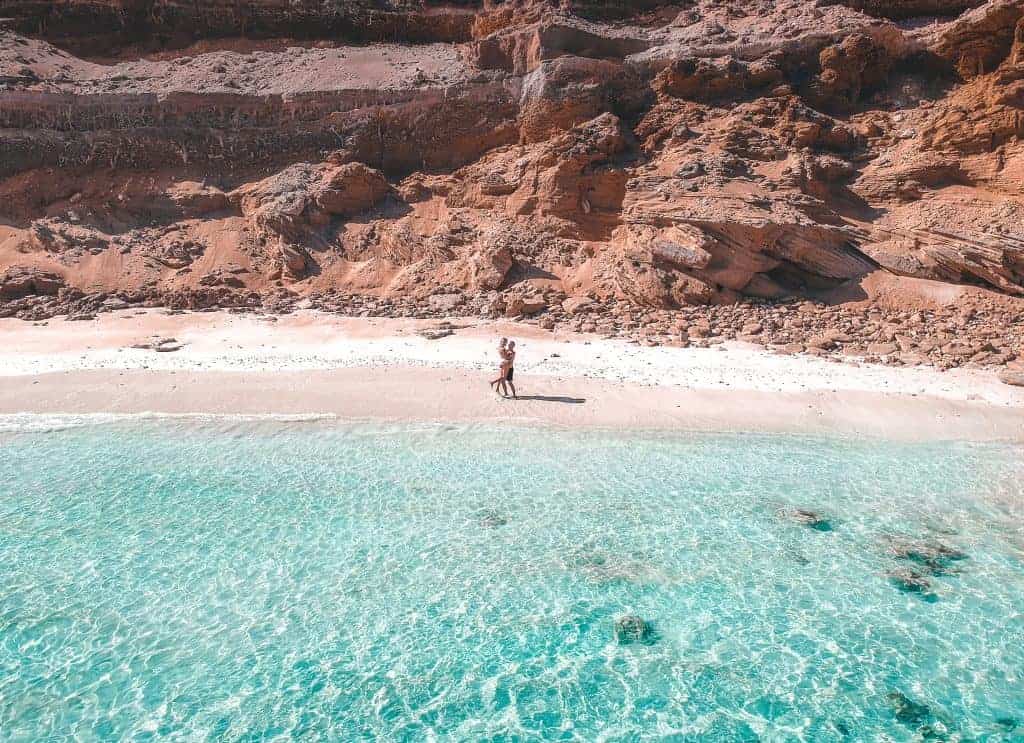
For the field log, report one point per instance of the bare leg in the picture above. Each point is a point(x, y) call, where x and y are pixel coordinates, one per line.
point(503, 387)
point(500, 379)
point(513, 388)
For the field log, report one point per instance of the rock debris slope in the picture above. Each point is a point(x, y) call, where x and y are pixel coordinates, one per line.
point(658, 154)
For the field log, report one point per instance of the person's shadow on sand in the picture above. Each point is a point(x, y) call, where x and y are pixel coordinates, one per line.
point(554, 398)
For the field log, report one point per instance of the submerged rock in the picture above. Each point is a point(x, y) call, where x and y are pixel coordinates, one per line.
point(492, 519)
point(934, 556)
point(603, 567)
point(632, 628)
point(907, 711)
point(798, 558)
point(910, 581)
point(1008, 723)
point(811, 519)
point(922, 551)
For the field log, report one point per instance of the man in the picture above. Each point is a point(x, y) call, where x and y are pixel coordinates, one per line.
point(510, 355)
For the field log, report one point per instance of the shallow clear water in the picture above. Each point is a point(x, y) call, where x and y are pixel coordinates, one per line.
point(199, 581)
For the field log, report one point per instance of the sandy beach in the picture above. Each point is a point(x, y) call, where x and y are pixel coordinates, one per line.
point(315, 364)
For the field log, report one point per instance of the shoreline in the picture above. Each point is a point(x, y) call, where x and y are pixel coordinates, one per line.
point(357, 369)
point(863, 416)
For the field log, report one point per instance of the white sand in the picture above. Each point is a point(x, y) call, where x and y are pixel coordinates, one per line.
point(314, 363)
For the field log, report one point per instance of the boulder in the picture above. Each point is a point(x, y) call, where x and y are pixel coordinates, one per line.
point(516, 306)
point(445, 302)
point(1013, 377)
point(59, 236)
point(197, 199)
point(882, 349)
point(435, 334)
point(851, 68)
point(822, 342)
point(349, 189)
point(977, 41)
point(293, 259)
point(22, 281)
point(576, 305)
point(492, 260)
point(292, 201)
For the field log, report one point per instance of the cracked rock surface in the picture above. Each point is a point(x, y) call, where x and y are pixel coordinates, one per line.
point(653, 155)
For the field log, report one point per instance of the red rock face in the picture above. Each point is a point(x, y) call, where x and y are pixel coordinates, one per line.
point(93, 26)
point(660, 153)
point(911, 8)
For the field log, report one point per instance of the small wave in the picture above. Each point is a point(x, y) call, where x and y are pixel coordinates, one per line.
point(53, 422)
point(48, 422)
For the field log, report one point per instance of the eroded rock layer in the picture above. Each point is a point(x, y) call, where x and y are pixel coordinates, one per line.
point(664, 154)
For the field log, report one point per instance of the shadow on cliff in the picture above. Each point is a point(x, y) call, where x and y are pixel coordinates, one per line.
point(849, 291)
point(521, 271)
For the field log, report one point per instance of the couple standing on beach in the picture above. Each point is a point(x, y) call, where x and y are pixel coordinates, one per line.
point(507, 352)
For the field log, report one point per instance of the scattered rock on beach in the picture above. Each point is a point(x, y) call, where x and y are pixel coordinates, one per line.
point(576, 305)
point(1014, 377)
point(632, 628)
point(445, 302)
point(115, 303)
point(434, 334)
point(161, 345)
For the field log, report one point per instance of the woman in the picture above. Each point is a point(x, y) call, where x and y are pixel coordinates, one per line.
point(506, 362)
point(509, 366)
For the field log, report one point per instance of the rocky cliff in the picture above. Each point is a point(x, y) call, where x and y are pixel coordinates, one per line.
point(661, 154)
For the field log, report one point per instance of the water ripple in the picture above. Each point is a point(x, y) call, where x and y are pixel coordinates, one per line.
point(190, 579)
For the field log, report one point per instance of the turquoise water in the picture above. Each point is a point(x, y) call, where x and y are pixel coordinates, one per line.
point(258, 581)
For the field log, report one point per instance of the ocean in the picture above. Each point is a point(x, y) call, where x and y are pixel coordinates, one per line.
point(243, 580)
